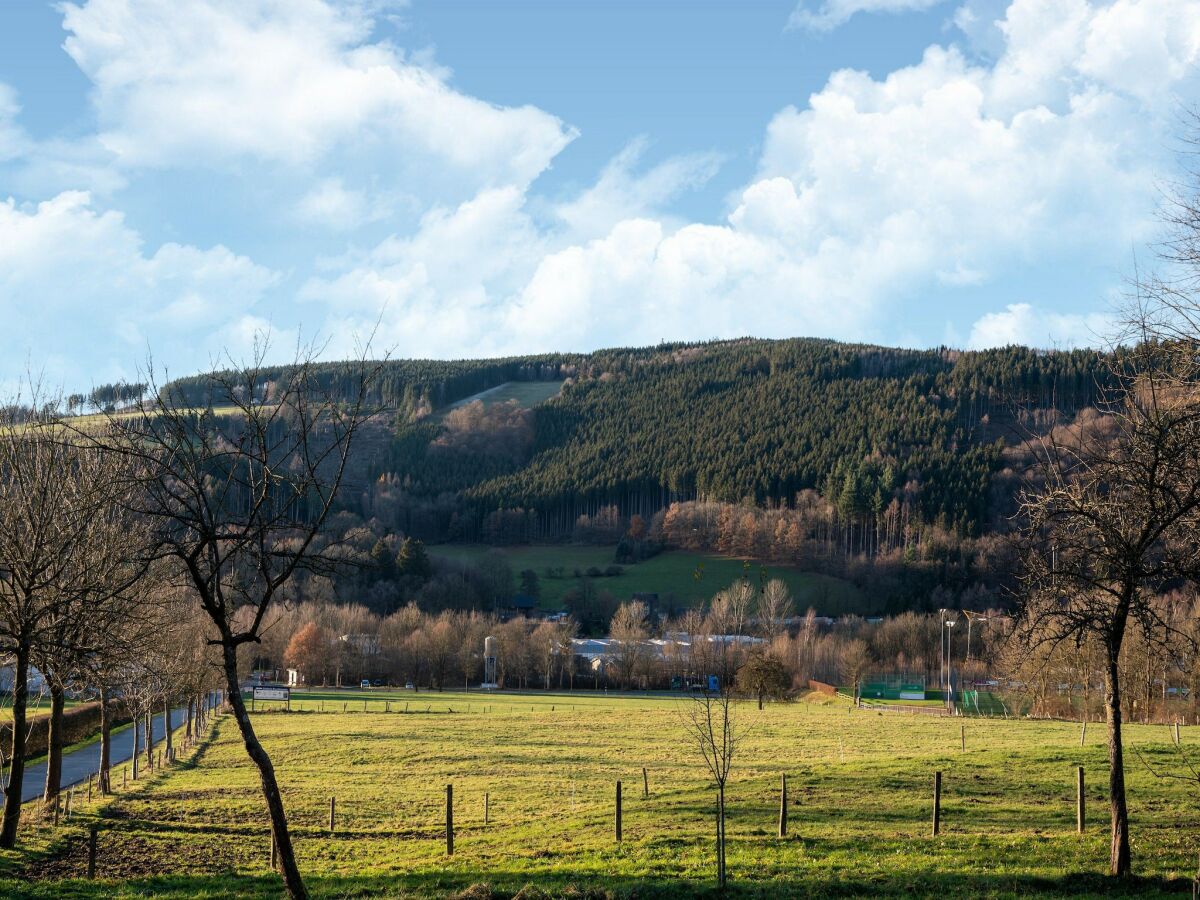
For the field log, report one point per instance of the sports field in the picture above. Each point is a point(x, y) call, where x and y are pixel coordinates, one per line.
point(860, 788)
point(689, 577)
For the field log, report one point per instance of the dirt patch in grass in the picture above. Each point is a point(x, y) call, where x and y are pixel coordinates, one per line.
point(124, 855)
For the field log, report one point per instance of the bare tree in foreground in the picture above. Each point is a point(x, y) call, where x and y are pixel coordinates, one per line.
point(1114, 527)
point(1113, 524)
point(711, 720)
point(712, 724)
point(237, 503)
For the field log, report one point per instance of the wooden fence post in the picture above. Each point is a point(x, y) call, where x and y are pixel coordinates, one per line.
point(1080, 799)
point(449, 820)
point(645, 783)
point(618, 819)
point(485, 808)
point(1083, 733)
point(937, 802)
point(274, 852)
point(962, 736)
point(783, 806)
point(91, 869)
point(89, 788)
point(332, 810)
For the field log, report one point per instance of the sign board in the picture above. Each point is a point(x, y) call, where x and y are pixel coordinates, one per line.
point(272, 693)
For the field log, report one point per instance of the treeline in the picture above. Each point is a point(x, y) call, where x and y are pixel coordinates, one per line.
point(410, 388)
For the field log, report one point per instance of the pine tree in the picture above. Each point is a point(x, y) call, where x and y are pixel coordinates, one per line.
point(412, 560)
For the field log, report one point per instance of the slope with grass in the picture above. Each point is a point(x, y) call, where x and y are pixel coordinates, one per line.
point(690, 578)
point(859, 786)
point(525, 394)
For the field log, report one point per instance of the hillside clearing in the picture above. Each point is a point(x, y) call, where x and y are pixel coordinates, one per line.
point(690, 578)
point(526, 394)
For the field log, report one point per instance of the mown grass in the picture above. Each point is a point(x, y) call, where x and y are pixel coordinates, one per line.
point(689, 577)
point(859, 782)
point(39, 705)
point(527, 394)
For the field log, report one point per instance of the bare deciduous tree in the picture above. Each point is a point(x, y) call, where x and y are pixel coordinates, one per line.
point(711, 722)
point(237, 502)
point(63, 553)
point(1114, 523)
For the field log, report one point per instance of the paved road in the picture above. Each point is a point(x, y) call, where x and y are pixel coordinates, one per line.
point(79, 764)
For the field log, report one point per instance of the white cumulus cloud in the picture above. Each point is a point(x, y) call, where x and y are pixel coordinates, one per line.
point(1021, 323)
point(827, 15)
point(292, 82)
point(75, 277)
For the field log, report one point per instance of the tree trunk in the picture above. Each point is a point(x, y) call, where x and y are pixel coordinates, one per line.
point(54, 746)
point(105, 742)
point(16, 772)
point(170, 744)
point(136, 726)
point(148, 724)
point(1120, 863)
point(188, 730)
point(721, 837)
point(270, 788)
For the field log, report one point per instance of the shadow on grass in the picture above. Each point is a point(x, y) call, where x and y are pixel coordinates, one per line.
point(494, 885)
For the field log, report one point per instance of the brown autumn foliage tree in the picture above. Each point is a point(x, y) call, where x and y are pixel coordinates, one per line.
point(308, 651)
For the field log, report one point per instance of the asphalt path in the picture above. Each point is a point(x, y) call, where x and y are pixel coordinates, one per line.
point(78, 764)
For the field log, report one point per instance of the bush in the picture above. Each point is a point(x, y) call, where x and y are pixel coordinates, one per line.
point(614, 570)
point(594, 572)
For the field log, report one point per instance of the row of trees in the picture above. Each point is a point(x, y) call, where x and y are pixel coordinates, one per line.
point(80, 600)
point(141, 554)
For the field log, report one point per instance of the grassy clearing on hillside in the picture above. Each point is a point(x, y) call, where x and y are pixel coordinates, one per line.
point(673, 572)
point(526, 393)
point(859, 784)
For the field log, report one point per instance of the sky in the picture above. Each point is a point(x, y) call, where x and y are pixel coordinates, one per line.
point(181, 182)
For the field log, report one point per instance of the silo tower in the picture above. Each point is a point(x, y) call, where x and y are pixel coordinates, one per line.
point(489, 662)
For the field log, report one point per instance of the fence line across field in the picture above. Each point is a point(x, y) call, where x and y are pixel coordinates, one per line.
point(481, 805)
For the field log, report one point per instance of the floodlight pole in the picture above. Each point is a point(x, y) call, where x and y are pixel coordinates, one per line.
point(942, 649)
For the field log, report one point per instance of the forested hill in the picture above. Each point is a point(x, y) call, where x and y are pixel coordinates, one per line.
point(874, 432)
point(746, 421)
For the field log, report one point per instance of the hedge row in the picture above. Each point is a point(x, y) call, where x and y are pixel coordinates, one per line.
point(79, 723)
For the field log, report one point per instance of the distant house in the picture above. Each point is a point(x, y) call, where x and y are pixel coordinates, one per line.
point(518, 605)
point(650, 598)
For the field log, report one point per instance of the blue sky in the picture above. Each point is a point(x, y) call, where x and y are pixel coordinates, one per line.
point(480, 178)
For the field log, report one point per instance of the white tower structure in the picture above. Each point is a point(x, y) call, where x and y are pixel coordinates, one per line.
point(489, 663)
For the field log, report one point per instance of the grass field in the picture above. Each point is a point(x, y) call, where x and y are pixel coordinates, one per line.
point(526, 393)
point(673, 572)
point(38, 706)
point(859, 783)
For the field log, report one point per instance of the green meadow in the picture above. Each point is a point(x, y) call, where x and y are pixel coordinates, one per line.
point(690, 577)
point(859, 784)
point(526, 394)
